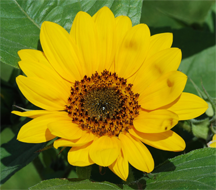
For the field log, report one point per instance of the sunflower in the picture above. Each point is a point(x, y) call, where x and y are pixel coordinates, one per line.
point(105, 89)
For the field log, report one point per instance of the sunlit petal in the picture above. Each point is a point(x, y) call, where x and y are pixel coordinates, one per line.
point(105, 150)
point(136, 153)
point(163, 91)
point(155, 121)
point(79, 156)
point(169, 140)
point(120, 167)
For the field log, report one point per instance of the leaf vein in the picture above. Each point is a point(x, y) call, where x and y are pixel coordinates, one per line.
point(26, 14)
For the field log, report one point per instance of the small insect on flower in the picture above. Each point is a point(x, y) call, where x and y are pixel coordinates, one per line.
point(106, 89)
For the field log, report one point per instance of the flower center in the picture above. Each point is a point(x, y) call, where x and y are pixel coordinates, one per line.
point(103, 104)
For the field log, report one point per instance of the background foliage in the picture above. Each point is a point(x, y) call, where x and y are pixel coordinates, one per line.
point(193, 26)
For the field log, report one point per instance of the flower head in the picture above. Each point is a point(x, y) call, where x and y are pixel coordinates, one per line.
point(105, 89)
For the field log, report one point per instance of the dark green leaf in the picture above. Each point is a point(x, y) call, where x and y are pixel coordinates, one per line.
point(154, 17)
point(190, 41)
point(195, 170)
point(15, 155)
point(7, 99)
point(21, 20)
point(73, 184)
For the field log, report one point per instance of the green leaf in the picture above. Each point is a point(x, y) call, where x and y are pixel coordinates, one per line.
point(195, 170)
point(6, 71)
point(154, 17)
point(201, 69)
point(126, 187)
point(211, 19)
point(21, 20)
point(175, 14)
point(15, 155)
point(73, 184)
point(201, 130)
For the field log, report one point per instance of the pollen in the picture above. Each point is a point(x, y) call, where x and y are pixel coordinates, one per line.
point(103, 104)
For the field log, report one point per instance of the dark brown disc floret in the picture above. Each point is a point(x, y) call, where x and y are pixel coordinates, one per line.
point(103, 104)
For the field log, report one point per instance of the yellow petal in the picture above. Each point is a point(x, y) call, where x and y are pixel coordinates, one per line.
point(160, 63)
point(120, 167)
point(159, 42)
point(163, 91)
point(32, 114)
point(132, 51)
point(168, 140)
point(155, 121)
point(84, 139)
point(105, 150)
point(64, 143)
point(188, 106)
point(36, 130)
point(84, 33)
point(214, 138)
point(136, 153)
point(79, 156)
point(65, 128)
point(33, 55)
point(212, 143)
point(42, 93)
point(42, 70)
point(123, 25)
point(104, 24)
point(60, 50)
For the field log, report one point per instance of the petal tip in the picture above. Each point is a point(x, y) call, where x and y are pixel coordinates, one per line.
point(105, 9)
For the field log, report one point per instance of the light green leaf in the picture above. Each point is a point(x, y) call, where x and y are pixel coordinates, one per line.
point(194, 170)
point(15, 155)
point(21, 20)
point(201, 130)
point(73, 184)
point(201, 69)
